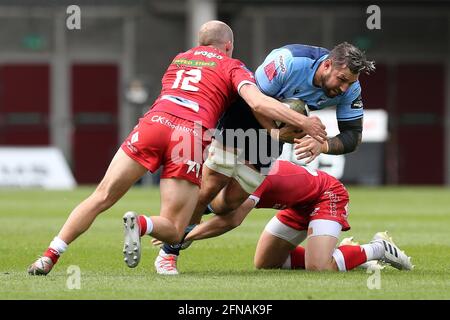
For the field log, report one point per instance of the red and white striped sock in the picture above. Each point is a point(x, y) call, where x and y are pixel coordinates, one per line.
point(296, 259)
point(56, 248)
point(145, 225)
point(52, 254)
point(349, 257)
point(346, 257)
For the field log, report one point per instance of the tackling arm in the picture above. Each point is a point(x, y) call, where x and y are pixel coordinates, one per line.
point(273, 109)
point(267, 124)
point(285, 134)
point(218, 225)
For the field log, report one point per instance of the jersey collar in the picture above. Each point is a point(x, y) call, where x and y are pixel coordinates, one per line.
point(314, 67)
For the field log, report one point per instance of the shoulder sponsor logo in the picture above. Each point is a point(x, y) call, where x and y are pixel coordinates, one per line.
point(282, 66)
point(270, 70)
point(135, 137)
point(357, 103)
point(129, 143)
point(208, 54)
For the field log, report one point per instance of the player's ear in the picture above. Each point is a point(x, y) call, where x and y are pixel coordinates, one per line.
point(327, 64)
point(229, 48)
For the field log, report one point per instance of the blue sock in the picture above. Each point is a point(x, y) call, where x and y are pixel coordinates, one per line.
point(175, 248)
point(208, 210)
point(171, 249)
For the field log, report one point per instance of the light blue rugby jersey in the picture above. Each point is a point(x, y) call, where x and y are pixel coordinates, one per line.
point(288, 72)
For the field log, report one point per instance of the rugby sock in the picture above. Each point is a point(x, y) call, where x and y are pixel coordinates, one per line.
point(374, 251)
point(296, 259)
point(208, 210)
point(346, 257)
point(52, 254)
point(55, 249)
point(175, 248)
point(350, 257)
point(171, 249)
point(145, 225)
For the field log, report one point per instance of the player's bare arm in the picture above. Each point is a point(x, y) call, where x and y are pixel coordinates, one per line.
point(267, 124)
point(219, 225)
point(285, 134)
point(272, 108)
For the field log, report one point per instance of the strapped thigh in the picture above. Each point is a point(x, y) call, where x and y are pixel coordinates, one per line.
point(322, 227)
point(280, 230)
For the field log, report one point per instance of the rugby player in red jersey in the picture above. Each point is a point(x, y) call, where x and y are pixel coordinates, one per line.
point(197, 88)
point(313, 206)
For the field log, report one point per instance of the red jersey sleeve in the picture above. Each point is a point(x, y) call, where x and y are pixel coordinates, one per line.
point(239, 74)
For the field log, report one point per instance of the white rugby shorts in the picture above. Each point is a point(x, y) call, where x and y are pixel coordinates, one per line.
point(228, 164)
point(320, 227)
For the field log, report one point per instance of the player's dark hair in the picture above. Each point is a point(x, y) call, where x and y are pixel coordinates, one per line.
point(346, 54)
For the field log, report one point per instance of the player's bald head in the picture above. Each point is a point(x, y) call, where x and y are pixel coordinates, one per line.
point(214, 33)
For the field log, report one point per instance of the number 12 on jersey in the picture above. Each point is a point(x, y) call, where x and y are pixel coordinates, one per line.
point(186, 77)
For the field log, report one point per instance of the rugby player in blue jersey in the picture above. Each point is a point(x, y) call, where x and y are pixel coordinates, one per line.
point(317, 76)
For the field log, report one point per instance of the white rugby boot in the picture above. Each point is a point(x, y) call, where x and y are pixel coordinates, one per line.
point(41, 267)
point(392, 254)
point(372, 264)
point(132, 239)
point(166, 264)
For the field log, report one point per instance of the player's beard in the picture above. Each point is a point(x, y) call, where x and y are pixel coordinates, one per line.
point(330, 92)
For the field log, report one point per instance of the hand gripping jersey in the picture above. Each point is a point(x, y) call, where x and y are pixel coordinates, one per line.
point(200, 84)
point(288, 72)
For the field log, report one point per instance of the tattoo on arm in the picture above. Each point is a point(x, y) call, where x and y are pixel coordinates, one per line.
point(345, 142)
point(348, 139)
point(335, 146)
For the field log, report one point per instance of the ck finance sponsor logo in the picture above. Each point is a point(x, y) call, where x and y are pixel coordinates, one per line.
point(166, 122)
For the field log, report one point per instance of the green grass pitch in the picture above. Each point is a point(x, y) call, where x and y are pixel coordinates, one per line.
point(220, 268)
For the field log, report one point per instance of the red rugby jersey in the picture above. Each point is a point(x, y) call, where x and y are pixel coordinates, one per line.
point(288, 185)
point(200, 84)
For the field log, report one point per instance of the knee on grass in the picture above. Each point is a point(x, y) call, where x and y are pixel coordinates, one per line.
point(264, 264)
point(320, 265)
